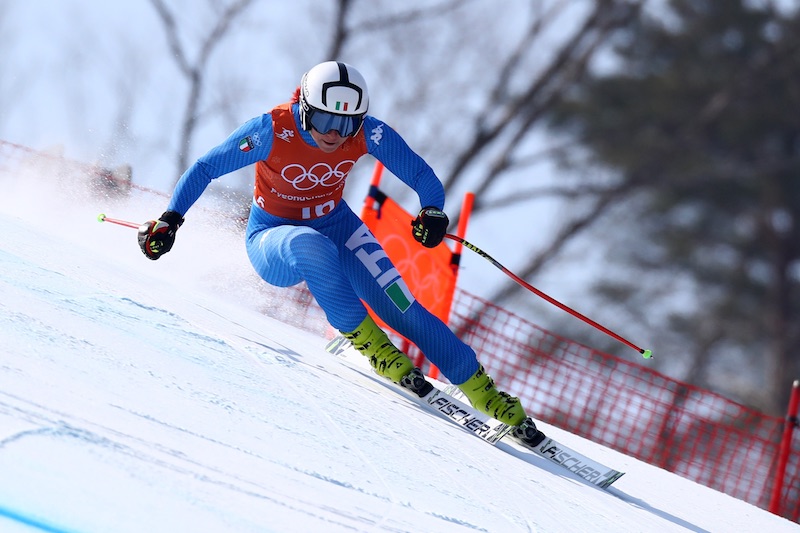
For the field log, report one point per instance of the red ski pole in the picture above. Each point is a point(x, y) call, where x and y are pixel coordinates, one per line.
point(103, 218)
point(647, 354)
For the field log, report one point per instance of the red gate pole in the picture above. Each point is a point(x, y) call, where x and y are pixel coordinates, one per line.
point(466, 211)
point(783, 453)
point(377, 174)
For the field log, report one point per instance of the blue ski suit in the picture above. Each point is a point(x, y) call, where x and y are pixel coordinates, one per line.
point(311, 234)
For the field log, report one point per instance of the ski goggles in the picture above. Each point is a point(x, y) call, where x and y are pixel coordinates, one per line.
point(346, 125)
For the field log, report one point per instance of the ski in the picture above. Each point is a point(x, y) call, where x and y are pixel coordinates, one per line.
point(447, 401)
point(588, 469)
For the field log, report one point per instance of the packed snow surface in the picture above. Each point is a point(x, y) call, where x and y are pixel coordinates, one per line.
point(157, 396)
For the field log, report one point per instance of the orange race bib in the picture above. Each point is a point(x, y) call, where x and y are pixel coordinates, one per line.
point(299, 181)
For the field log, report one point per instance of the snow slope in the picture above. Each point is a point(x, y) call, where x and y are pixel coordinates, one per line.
point(154, 396)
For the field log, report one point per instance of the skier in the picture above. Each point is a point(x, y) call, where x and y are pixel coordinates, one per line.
point(300, 228)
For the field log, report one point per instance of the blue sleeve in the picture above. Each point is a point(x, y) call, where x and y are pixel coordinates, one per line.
point(389, 148)
point(251, 142)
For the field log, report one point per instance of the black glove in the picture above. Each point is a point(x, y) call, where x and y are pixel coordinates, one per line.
point(430, 226)
point(156, 237)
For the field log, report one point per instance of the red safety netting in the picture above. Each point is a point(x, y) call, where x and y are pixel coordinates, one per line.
point(630, 408)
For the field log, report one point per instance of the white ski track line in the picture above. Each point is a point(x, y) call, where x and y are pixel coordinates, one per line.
point(264, 344)
point(313, 403)
point(55, 423)
point(365, 388)
point(372, 382)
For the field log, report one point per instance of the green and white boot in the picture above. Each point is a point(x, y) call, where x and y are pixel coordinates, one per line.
point(485, 397)
point(384, 357)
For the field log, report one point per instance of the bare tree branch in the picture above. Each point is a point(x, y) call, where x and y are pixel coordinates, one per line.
point(562, 238)
point(567, 65)
point(566, 193)
point(340, 30)
point(195, 72)
point(409, 17)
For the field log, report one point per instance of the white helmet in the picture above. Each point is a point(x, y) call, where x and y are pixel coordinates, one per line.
point(333, 96)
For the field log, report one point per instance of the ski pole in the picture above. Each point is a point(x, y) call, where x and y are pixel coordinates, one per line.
point(103, 218)
point(647, 354)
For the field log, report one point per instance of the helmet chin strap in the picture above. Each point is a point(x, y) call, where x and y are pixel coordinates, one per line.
point(304, 113)
point(303, 120)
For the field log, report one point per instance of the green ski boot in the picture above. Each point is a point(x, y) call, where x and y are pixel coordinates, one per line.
point(484, 396)
point(384, 357)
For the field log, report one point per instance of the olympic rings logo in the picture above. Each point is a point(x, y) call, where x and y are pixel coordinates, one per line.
point(321, 174)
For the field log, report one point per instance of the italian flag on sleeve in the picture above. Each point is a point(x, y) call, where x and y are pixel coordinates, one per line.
point(245, 145)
